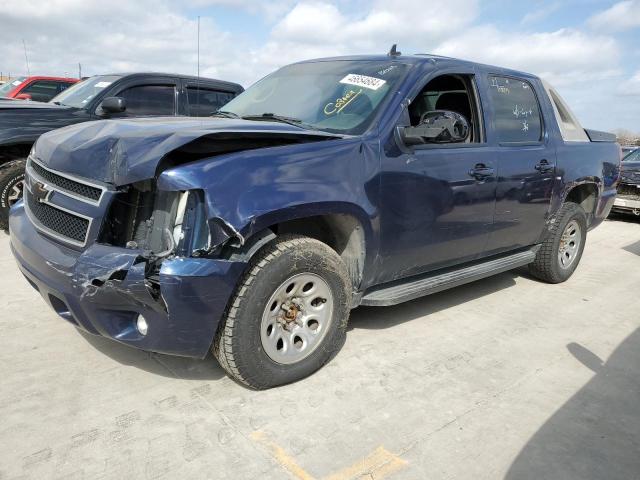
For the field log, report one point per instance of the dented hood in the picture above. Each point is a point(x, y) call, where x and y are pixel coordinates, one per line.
point(120, 152)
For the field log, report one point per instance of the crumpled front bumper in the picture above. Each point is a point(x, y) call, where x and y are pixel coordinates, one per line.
point(628, 198)
point(103, 289)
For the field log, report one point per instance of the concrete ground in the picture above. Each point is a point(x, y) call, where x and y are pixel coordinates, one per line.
point(506, 377)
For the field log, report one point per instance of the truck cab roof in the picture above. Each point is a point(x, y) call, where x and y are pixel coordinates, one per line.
point(424, 59)
point(231, 86)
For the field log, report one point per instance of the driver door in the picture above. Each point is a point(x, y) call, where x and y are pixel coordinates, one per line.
point(437, 200)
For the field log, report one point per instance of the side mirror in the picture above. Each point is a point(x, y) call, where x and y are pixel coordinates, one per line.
point(23, 96)
point(438, 126)
point(113, 105)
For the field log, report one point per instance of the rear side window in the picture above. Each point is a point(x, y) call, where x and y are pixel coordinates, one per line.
point(150, 100)
point(205, 101)
point(570, 127)
point(517, 111)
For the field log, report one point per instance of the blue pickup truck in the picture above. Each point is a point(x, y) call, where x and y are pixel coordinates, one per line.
point(329, 184)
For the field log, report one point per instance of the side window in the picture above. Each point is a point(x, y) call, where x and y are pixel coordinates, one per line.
point(517, 112)
point(204, 101)
point(150, 100)
point(570, 128)
point(62, 86)
point(633, 156)
point(41, 90)
point(448, 92)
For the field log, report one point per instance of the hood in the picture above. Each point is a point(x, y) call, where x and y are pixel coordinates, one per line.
point(15, 104)
point(23, 121)
point(121, 152)
point(630, 172)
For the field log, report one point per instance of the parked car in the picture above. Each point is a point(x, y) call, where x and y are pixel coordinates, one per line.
point(99, 97)
point(628, 199)
point(626, 149)
point(364, 180)
point(39, 89)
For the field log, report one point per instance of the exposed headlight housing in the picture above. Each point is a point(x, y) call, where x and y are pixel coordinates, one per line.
point(163, 222)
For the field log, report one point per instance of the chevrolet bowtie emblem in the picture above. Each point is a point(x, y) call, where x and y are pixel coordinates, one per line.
point(40, 192)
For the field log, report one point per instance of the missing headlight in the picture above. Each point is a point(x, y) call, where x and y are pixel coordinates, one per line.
point(158, 221)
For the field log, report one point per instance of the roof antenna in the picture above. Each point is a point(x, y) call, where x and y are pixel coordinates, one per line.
point(394, 51)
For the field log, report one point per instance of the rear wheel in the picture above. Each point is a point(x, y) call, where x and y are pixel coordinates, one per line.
point(561, 252)
point(11, 187)
point(288, 316)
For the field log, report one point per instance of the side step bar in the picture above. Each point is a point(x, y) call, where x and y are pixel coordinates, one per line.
point(415, 287)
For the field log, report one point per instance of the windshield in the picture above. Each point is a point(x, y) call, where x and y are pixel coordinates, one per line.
point(10, 85)
point(337, 96)
point(81, 93)
point(632, 156)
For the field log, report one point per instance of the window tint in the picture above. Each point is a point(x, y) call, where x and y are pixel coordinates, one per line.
point(203, 101)
point(150, 100)
point(517, 112)
point(41, 90)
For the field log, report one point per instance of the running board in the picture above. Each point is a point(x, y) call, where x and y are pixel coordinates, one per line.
point(413, 287)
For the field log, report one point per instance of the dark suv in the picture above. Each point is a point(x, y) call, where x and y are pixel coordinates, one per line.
point(329, 184)
point(98, 98)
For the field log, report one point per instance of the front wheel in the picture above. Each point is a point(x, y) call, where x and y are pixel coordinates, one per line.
point(11, 187)
point(561, 252)
point(288, 316)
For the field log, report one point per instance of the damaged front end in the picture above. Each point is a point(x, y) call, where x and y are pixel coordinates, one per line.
point(157, 225)
point(114, 237)
point(148, 260)
point(628, 197)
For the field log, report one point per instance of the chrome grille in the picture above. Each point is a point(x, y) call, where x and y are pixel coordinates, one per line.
point(92, 193)
point(56, 221)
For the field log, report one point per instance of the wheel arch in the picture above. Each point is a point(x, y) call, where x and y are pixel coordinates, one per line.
point(584, 194)
point(344, 227)
point(14, 151)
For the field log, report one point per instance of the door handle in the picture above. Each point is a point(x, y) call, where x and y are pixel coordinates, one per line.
point(481, 171)
point(544, 166)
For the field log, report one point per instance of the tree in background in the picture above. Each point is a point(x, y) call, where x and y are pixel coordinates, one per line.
point(626, 137)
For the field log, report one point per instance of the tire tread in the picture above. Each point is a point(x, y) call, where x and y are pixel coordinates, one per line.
point(543, 267)
point(223, 345)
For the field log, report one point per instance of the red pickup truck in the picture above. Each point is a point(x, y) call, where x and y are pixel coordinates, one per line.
point(40, 89)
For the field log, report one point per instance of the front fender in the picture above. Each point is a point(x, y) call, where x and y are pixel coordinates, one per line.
point(253, 190)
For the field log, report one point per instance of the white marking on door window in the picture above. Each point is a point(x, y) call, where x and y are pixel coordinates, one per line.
point(102, 84)
point(371, 83)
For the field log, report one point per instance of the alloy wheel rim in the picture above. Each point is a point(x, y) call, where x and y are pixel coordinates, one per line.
point(296, 318)
point(569, 244)
point(15, 193)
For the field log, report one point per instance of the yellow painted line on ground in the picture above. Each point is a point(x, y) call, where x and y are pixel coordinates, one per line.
point(377, 465)
point(281, 456)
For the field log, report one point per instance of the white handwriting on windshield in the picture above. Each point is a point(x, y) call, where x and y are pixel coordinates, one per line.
point(340, 103)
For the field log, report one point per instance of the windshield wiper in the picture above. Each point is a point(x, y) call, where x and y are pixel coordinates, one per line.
point(272, 117)
point(223, 113)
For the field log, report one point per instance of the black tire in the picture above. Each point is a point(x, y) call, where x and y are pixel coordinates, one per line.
point(238, 345)
point(11, 175)
point(547, 264)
